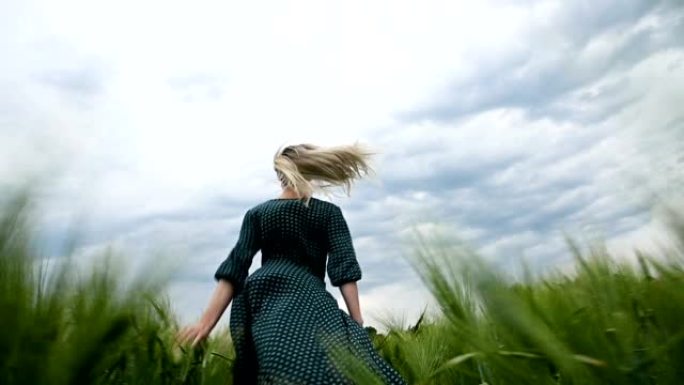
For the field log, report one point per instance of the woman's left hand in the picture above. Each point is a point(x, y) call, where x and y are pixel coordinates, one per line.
point(194, 333)
point(201, 329)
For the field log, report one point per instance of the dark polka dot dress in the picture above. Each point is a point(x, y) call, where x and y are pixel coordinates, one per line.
point(283, 321)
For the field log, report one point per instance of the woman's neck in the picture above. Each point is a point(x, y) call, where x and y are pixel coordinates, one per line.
point(288, 193)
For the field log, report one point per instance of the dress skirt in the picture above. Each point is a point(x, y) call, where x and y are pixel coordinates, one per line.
point(283, 325)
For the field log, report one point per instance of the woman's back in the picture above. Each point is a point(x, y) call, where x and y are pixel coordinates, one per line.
point(313, 236)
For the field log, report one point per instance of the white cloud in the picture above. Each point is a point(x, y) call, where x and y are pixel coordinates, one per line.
point(508, 121)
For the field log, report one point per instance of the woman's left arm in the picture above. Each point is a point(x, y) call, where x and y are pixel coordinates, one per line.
point(218, 303)
point(230, 277)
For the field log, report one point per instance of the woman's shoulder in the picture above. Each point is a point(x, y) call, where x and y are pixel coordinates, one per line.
point(313, 202)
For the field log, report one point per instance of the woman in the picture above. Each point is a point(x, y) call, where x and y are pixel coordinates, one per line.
point(284, 324)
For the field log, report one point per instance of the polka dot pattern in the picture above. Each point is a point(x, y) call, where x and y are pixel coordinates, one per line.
point(283, 320)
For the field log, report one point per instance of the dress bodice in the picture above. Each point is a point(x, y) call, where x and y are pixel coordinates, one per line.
point(315, 236)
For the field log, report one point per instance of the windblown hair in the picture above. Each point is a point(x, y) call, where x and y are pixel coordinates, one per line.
point(307, 167)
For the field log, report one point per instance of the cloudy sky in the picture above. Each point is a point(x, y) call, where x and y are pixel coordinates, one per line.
point(507, 122)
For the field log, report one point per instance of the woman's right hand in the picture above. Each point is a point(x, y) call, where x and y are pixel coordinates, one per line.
point(350, 293)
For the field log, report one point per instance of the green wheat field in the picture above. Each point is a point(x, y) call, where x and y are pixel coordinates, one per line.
point(608, 322)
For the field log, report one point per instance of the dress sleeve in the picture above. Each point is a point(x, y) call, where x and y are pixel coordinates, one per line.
point(342, 264)
point(236, 266)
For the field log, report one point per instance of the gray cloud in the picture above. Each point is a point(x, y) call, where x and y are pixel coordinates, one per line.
point(549, 68)
point(82, 82)
point(575, 174)
point(533, 145)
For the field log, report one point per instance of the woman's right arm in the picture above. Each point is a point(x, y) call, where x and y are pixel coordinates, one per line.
point(350, 293)
point(343, 268)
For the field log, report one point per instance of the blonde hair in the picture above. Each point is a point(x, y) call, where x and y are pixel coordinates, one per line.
point(307, 167)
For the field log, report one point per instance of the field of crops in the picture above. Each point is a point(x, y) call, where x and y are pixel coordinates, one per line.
point(608, 323)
